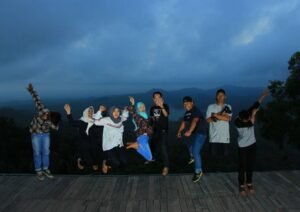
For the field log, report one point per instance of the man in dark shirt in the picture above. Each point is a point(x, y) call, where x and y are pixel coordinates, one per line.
point(159, 114)
point(195, 131)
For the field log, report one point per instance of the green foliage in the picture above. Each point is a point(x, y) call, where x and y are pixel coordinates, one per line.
point(281, 118)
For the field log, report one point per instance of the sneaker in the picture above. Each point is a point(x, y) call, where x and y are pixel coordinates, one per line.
point(191, 161)
point(40, 176)
point(47, 173)
point(197, 177)
point(242, 190)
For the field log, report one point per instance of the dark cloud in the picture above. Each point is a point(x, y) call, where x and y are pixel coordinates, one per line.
point(123, 45)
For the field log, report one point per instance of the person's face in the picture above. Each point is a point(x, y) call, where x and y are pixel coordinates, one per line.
point(45, 116)
point(221, 97)
point(91, 112)
point(143, 108)
point(157, 99)
point(188, 105)
point(116, 113)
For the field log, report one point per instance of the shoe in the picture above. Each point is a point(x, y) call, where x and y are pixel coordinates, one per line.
point(197, 177)
point(40, 176)
point(191, 161)
point(165, 171)
point(47, 173)
point(242, 190)
point(250, 189)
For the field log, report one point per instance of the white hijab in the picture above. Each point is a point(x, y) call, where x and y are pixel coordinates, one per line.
point(85, 118)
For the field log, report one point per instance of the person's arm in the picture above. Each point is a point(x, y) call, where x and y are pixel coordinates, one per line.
point(255, 107)
point(164, 107)
point(38, 104)
point(181, 128)
point(72, 122)
point(192, 127)
point(125, 114)
point(222, 117)
point(99, 121)
point(209, 118)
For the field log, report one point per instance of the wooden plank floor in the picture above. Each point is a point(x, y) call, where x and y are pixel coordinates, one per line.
point(275, 191)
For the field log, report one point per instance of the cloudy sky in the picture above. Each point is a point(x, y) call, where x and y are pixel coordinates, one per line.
point(87, 48)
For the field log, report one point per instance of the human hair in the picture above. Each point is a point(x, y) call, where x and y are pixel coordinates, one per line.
point(157, 92)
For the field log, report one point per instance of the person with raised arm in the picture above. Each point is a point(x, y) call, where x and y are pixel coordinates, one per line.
point(247, 145)
point(113, 129)
point(88, 147)
point(40, 127)
point(143, 129)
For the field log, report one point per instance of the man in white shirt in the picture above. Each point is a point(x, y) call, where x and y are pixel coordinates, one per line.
point(218, 116)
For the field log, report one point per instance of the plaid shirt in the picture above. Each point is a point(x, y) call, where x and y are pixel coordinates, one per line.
point(38, 125)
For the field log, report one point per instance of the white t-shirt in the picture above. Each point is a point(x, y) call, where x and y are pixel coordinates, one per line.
point(112, 132)
point(219, 130)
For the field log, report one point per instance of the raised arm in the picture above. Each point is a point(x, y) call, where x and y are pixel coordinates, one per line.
point(38, 104)
point(255, 107)
point(72, 122)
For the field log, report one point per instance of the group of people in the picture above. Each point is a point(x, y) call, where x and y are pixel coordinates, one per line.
point(101, 135)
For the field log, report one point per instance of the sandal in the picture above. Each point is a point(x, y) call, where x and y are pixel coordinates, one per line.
point(242, 190)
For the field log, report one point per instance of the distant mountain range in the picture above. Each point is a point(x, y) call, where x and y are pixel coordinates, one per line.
point(237, 97)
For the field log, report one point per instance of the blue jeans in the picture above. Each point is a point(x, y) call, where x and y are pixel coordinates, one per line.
point(197, 144)
point(144, 148)
point(40, 145)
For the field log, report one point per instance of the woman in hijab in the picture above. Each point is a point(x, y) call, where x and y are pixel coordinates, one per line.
point(88, 145)
point(113, 135)
point(142, 128)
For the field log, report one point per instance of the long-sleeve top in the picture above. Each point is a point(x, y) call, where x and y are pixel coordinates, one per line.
point(112, 132)
point(39, 125)
point(143, 125)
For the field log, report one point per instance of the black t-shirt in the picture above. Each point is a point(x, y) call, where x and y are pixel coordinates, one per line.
point(159, 121)
point(201, 127)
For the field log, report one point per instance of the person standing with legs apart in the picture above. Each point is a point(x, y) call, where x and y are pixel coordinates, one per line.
point(218, 116)
point(194, 127)
point(40, 135)
point(247, 145)
point(159, 114)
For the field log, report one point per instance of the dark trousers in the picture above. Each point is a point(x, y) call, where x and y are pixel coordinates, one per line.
point(89, 151)
point(219, 149)
point(246, 157)
point(117, 157)
point(159, 146)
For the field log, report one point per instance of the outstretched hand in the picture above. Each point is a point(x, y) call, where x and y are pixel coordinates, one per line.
point(30, 87)
point(102, 108)
point(67, 108)
point(132, 100)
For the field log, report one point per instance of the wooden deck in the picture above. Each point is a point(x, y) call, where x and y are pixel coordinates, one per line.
point(276, 191)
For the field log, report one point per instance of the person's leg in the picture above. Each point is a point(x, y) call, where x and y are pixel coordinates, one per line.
point(198, 141)
point(80, 146)
point(95, 153)
point(45, 150)
point(37, 156)
point(113, 159)
point(250, 164)
point(143, 147)
point(46, 155)
point(122, 155)
point(241, 169)
point(164, 149)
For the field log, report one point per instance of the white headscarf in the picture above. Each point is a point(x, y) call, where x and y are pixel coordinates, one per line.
point(85, 118)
